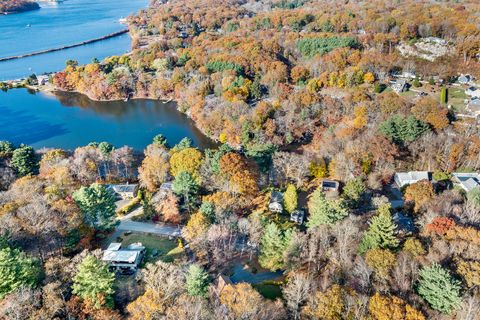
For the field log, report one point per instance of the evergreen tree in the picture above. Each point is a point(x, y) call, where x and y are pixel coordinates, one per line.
point(324, 211)
point(290, 198)
point(97, 204)
point(16, 270)
point(6, 149)
point(272, 246)
point(353, 191)
point(24, 160)
point(381, 232)
point(208, 210)
point(160, 140)
point(185, 185)
point(183, 144)
point(197, 281)
point(94, 283)
point(256, 88)
point(444, 95)
point(440, 290)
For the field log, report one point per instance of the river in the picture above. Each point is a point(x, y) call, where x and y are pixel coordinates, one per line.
point(69, 120)
point(58, 24)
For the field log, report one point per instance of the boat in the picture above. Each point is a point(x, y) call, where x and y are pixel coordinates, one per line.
point(28, 25)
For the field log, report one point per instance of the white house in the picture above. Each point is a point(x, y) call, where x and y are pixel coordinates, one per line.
point(124, 260)
point(473, 107)
point(406, 178)
point(297, 216)
point(467, 181)
point(276, 202)
point(400, 86)
point(473, 92)
point(464, 79)
point(124, 191)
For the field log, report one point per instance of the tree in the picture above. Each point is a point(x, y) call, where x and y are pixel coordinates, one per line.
point(393, 308)
point(168, 207)
point(273, 244)
point(296, 292)
point(155, 167)
point(185, 143)
point(197, 281)
point(94, 283)
point(419, 193)
point(290, 198)
point(438, 287)
point(444, 95)
point(97, 204)
point(16, 270)
point(470, 272)
point(353, 191)
point(324, 211)
point(381, 231)
point(24, 160)
point(244, 302)
point(188, 159)
point(6, 149)
point(160, 139)
point(428, 110)
point(196, 227)
point(185, 185)
point(381, 261)
point(326, 305)
point(401, 130)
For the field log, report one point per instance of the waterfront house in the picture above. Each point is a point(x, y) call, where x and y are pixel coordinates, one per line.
point(405, 178)
point(276, 202)
point(124, 191)
point(125, 261)
point(466, 181)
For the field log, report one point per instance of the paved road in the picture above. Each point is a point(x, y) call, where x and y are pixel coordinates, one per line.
point(154, 228)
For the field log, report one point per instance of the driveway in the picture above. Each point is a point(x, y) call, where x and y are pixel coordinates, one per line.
point(153, 228)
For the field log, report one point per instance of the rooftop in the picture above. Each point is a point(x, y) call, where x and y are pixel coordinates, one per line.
point(119, 188)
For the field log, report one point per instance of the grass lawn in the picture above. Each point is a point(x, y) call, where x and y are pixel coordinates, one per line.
point(166, 250)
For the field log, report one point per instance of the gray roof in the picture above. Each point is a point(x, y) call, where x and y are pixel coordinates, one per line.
point(467, 181)
point(120, 188)
point(276, 197)
point(403, 178)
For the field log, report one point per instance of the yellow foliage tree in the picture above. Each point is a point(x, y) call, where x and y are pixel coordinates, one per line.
point(196, 226)
point(392, 308)
point(188, 160)
point(326, 305)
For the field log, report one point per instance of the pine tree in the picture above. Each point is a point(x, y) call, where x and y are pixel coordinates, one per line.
point(16, 270)
point(353, 191)
point(273, 244)
point(185, 185)
point(290, 198)
point(24, 160)
point(197, 281)
point(160, 140)
point(381, 232)
point(94, 283)
point(440, 290)
point(97, 204)
point(324, 211)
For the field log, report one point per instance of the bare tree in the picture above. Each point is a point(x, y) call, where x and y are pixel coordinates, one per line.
point(296, 292)
point(470, 309)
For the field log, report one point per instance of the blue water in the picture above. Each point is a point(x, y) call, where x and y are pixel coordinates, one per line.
point(71, 120)
point(59, 24)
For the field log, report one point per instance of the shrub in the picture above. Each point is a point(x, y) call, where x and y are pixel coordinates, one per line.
point(313, 46)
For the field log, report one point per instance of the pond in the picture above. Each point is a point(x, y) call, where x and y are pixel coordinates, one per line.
point(262, 280)
point(69, 120)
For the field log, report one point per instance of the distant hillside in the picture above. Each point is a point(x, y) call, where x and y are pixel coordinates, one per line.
point(10, 6)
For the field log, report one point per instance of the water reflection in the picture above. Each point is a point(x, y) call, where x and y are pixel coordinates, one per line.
point(69, 120)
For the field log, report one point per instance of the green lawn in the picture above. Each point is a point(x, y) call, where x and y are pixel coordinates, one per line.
point(167, 250)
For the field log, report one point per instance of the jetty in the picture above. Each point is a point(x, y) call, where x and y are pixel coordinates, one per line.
point(78, 44)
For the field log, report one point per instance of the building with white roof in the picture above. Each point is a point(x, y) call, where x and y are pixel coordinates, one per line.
point(406, 178)
point(467, 181)
point(123, 260)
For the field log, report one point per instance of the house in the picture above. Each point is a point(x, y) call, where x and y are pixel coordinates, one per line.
point(276, 202)
point(400, 85)
point(405, 178)
point(466, 181)
point(124, 191)
point(464, 79)
point(473, 107)
point(222, 282)
point(330, 185)
point(42, 79)
point(125, 261)
point(297, 216)
point(473, 92)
